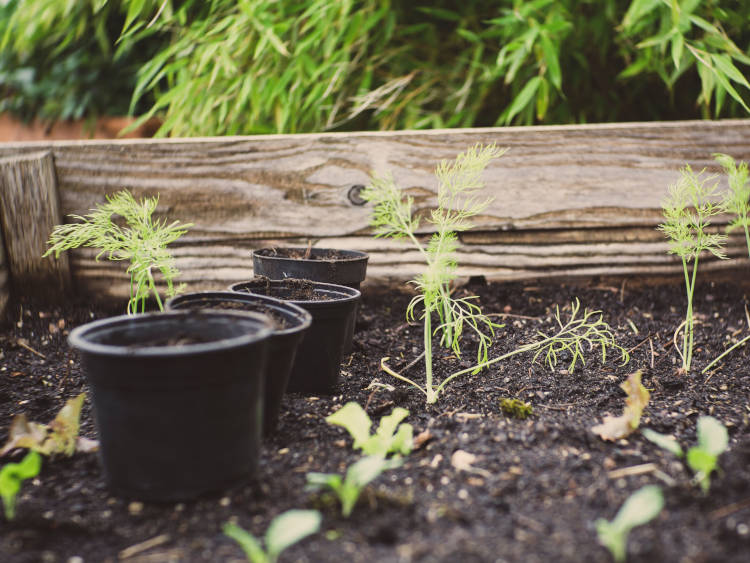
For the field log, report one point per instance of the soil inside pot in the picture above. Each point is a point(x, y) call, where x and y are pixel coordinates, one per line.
point(292, 290)
point(329, 255)
point(531, 492)
point(278, 321)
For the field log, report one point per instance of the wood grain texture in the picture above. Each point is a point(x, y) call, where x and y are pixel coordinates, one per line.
point(29, 209)
point(568, 200)
point(4, 282)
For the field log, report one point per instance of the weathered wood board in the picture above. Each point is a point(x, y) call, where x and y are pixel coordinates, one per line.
point(29, 209)
point(568, 200)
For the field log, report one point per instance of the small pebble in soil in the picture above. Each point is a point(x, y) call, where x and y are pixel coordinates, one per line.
point(135, 508)
point(75, 559)
point(225, 501)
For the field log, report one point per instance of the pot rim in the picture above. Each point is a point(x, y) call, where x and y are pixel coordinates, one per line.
point(80, 337)
point(305, 318)
point(353, 255)
point(341, 293)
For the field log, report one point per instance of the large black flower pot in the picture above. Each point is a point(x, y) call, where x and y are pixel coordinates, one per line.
point(333, 307)
point(327, 265)
point(290, 324)
point(178, 399)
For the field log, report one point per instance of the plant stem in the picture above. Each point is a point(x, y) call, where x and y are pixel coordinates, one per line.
point(727, 351)
point(397, 375)
point(687, 341)
point(747, 238)
point(429, 391)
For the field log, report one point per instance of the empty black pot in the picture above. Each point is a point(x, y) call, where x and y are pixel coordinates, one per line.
point(327, 265)
point(178, 399)
point(290, 323)
point(318, 362)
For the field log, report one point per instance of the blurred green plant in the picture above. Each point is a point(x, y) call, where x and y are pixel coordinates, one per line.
point(638, 509)
point(59, 61)
point(284, 531)
point(12, 475)
point(703, 458)
point(267, 66)
point(286, 66)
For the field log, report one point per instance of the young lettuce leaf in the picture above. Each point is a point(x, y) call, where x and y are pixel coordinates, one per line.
point(11, 477)
point(640, 508)
point(391, 436)
point(284, 531)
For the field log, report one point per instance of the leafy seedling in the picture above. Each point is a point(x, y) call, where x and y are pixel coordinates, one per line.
point(579, 332)
point(702, 458)
point(284, 531)
point(358, 475)
point(687, 216)
point(391, 436)
point(615, 427)
point(458, 201)
point(459, 182)
point(516, 408)
point(58, 437)
point(736, 202)
point(143, 241)
point(12, 475)
point(640, 508)
point(737, 198)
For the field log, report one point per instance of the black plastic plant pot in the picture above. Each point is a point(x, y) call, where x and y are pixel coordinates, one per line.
point(178, 399)
point(290, 324)
point(333, 307)
point(327, 265)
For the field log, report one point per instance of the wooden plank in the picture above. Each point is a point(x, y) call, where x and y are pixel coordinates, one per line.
point(29, 209)
point(568, 200)
point(4, 282)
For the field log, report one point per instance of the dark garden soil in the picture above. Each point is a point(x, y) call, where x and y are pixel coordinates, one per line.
point(531, 494)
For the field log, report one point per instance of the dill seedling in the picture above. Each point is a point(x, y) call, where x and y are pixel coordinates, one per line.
point(459, 182)
point(687, 215)
point(737, 198)
point(142, 240)
point(736, 202)
point(458, 200)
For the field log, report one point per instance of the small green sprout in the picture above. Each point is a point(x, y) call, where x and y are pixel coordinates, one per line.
point(285, 530)
point(640, 508)
point(143, 241)
point(702, 458)
point(516, 408)
point(11, 477)
point(391, 437)
point(358, 476)
point(687, 216)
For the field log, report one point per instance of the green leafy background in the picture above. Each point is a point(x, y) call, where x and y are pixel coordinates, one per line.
point(217, 67)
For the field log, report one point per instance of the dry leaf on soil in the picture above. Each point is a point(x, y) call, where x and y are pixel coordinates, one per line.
point(615, 427)
point(58, 437)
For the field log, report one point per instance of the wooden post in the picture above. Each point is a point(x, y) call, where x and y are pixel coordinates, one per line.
point(4, 282)
point(29, 210)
